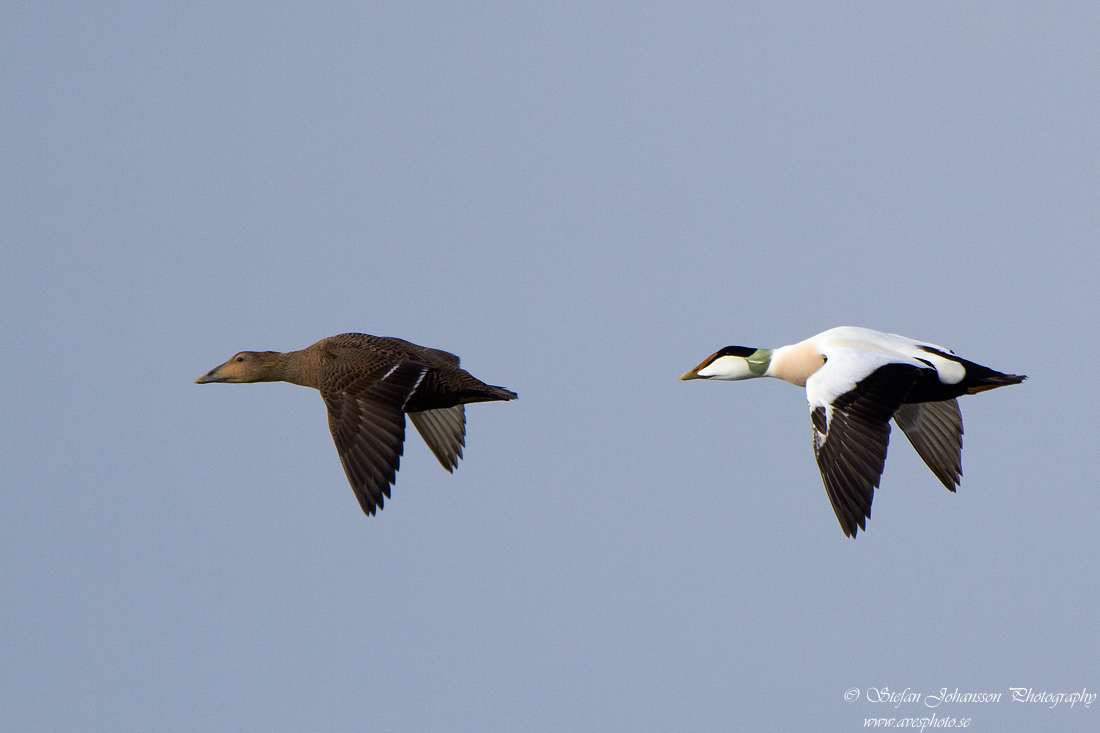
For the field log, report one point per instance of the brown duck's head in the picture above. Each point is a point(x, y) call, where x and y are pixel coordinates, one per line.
point(247, 366)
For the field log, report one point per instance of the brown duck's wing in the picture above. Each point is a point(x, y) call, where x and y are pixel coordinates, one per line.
point(393, 348)
point(365, 401)
point(444, 431)
point(935, 429)
point(440, 356)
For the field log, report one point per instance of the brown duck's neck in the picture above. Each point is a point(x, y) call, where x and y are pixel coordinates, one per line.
point(296, 367)
point(290, 367)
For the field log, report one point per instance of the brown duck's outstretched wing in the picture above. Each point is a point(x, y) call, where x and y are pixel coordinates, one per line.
point(367, 422)
point(444, 431)
point(935, 429)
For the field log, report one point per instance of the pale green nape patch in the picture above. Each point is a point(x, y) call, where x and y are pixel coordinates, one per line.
point(759, 361)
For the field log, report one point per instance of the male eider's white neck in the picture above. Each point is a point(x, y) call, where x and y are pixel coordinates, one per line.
point(795, 363)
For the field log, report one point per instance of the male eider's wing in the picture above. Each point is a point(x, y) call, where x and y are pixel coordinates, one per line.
point(935, 429)
point(365, 400)
point(852, 398)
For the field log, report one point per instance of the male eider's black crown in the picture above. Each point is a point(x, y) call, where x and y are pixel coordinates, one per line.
point(736, 351)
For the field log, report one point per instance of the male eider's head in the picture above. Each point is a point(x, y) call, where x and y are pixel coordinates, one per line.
point(732, 363)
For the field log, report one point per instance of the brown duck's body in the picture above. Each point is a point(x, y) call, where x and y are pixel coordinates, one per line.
point(369, 384)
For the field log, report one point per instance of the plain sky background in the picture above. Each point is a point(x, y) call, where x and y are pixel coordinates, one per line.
point(583, 201)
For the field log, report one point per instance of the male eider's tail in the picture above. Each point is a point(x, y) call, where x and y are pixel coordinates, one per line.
point(979, 378)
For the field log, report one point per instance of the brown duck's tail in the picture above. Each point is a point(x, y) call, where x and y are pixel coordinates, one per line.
point(486, 393)
point(499, 393)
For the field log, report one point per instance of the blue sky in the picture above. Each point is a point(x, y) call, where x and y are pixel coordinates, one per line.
point(583, 202)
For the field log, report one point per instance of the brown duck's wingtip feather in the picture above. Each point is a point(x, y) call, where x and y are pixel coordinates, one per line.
point(852, 529)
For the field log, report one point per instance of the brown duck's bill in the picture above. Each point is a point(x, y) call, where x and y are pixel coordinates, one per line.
point(211, 377)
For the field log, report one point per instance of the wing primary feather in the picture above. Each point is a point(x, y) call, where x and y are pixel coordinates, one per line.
point(935, 430)
point(852, 438)
point(444, 431)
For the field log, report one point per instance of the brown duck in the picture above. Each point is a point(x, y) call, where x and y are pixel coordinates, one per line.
point(369, 384)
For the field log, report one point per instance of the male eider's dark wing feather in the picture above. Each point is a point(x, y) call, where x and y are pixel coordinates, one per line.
point(935, 429)
point(852, 431)
point(444, 430)
point(365, 416)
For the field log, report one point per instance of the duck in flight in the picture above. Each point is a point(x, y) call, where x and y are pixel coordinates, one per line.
point(856, 380)
point(369, 384)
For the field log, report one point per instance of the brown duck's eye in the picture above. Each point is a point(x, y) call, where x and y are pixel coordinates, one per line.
point(240, 358)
